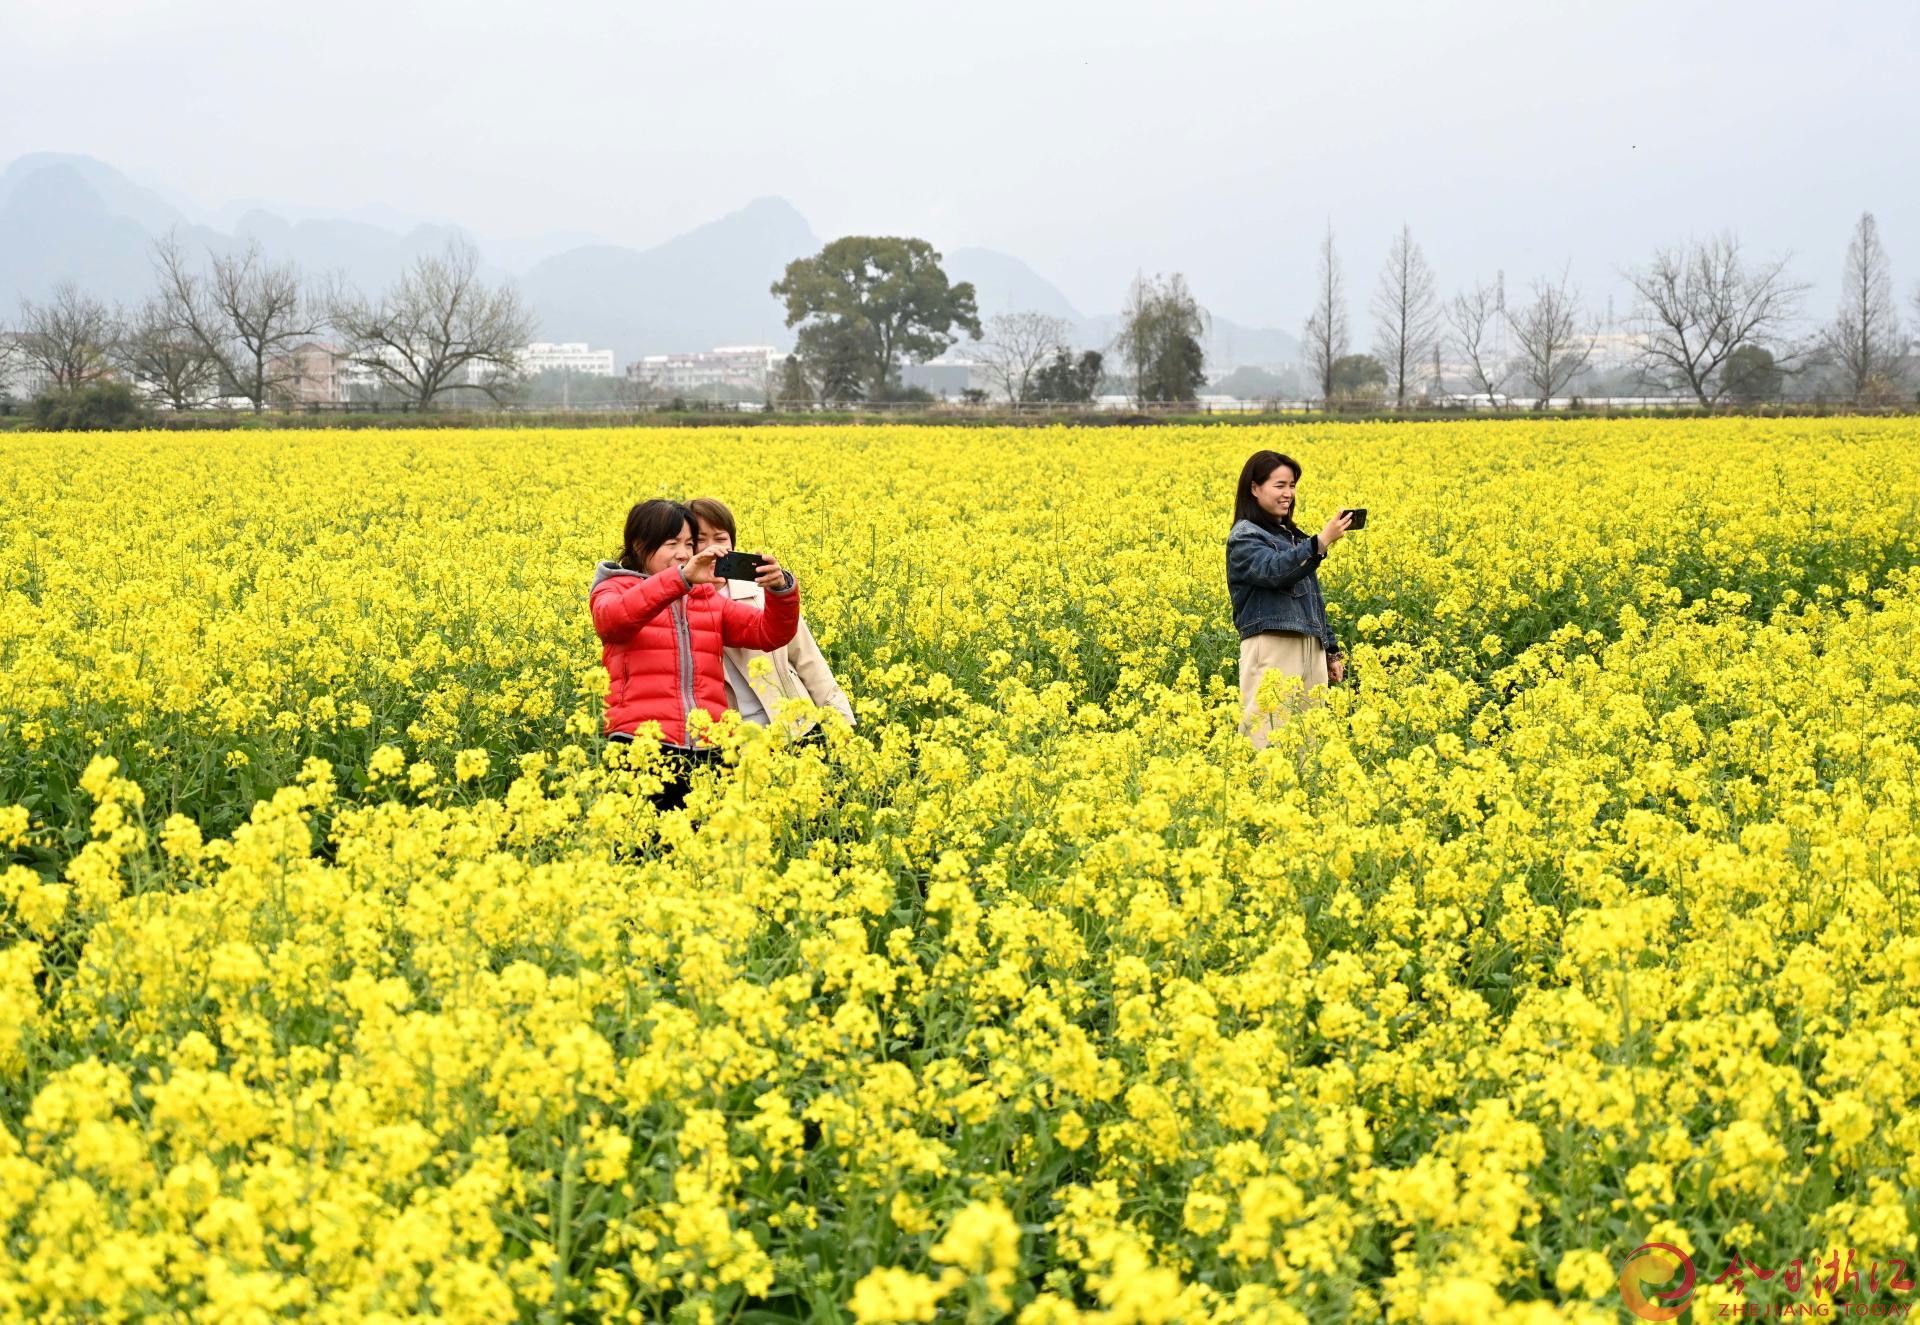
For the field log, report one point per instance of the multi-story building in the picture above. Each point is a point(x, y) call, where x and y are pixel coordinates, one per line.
point(20, 379)
point(311, 373)
point(947, 377)
point(1614, 350)
point(569, 356)
point(749, 367)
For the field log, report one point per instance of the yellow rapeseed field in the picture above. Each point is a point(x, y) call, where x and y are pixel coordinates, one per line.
point(347, 977)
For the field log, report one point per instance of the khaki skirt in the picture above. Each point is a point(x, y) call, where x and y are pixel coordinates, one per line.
point(1300, 656)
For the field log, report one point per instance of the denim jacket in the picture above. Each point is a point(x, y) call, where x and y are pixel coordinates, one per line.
point(1271, 580)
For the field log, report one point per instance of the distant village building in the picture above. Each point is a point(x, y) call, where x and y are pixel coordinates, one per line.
point(947, 377)
point(749, 367)
point(568, 356)
point(1617, 350)
point(316, 372)
point(311, 373)
point(20, 379)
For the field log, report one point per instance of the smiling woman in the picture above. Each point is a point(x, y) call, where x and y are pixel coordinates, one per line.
point(663, 626)
point(1274, 586)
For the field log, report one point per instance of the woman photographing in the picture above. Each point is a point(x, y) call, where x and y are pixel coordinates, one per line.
point(1271, 579)
point(759, 682)
point(663, 626)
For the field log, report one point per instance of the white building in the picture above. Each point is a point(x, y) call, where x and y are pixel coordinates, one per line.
point(19, 379)
point(568, 356)
point(748, 366)
point(1615, 350)
point(359, 382)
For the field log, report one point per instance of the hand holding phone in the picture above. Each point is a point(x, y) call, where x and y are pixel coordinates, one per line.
point(1359, 514)
point(740, 566)
point(700, 570)
point(771, 575)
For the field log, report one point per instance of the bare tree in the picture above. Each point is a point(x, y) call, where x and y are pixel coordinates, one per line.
point(1406, 314)
point(244, 312)
point(1697, 304)
point(1015, 346)
point(1472, 315)
point(1916, 318)
point(1555, 342)
point(69, 339)
point(435, 327)
point(1326, 335)
point(159, 354)
point(1864, 338)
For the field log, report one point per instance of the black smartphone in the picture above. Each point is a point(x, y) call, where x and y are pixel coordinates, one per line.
point(738, 565)
point(1359, 514)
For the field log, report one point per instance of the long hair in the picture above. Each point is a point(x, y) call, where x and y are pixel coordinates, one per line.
point(1258, 469)
point(650, 524)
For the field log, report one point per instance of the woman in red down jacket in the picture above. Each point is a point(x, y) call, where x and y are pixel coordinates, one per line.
point(663, 625)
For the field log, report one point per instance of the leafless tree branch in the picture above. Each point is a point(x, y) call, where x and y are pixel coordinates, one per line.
point(1326, 333)
point(243, 311)
point(1472, 315)
point(1015, 346)
point(1555, 342)
point(70, 338)
point(1865, 338)
point(166, 359)
point(1406, 314)
point(1697, 304)
point(427, 334)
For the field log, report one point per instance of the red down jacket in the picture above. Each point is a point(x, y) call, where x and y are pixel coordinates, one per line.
point(662, 639)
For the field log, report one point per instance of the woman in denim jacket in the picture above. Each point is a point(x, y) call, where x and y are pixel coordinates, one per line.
point(1277, 607)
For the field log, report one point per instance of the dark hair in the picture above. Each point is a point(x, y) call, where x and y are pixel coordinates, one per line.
point(1258, 469)
point(711, 514)
point(650, 524)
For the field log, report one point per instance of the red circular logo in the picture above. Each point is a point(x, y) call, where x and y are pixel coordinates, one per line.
point(1656, 1263)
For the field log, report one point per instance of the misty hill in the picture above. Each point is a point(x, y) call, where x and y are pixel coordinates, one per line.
point(118, 195)
point(704, 288)
point(55, 225)
point(1004, 284)
point(73, 218)
point(69, 217)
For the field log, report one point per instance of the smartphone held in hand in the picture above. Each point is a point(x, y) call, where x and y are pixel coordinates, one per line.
point(738, 565)
point(1359, 514)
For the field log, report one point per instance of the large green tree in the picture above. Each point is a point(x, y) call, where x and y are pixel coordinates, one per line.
point(1359, 375)
point(1159, 340)
point(1751, 374)
point(1066, 378)
point(887, 294)
point(833, 354)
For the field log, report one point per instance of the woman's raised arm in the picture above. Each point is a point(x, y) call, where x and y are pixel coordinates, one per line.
point(623, 603)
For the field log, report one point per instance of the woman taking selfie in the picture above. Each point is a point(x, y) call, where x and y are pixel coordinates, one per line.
point(663, 623)
point(1277, 607)
point(797, 671)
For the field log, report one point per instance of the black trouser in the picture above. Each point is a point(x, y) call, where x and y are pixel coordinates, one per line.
point(676, 771)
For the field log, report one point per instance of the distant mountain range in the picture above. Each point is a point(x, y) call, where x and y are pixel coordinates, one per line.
point(69, 217)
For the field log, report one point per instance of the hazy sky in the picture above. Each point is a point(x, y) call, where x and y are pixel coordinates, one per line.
point(1089, 139)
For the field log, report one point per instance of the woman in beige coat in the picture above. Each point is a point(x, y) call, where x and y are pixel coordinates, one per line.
point(757, 682)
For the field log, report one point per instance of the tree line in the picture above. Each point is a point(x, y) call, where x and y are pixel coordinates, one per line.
point(1708, 321)
point(225, 324)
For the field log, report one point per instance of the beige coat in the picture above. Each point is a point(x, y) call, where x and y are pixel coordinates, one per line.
point(798, 671)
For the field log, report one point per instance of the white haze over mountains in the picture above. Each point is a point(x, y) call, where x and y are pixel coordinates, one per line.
point(1089, 142)
point(65, 217)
